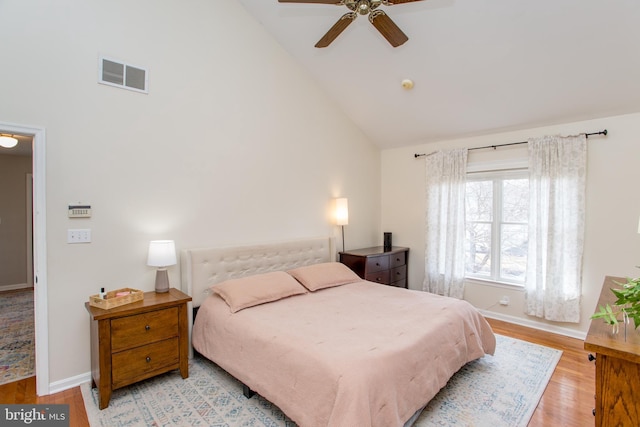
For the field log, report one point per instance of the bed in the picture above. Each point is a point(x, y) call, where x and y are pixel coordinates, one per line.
point(326, 347)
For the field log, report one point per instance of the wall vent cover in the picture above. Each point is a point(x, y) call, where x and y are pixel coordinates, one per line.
point(116, 73)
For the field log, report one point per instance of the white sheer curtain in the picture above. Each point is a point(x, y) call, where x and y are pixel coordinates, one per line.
point(445, 222)
point(557, 182)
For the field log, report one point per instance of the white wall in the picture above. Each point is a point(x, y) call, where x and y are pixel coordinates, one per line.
point(612, 245)
point(14, 170)
point(234, 144)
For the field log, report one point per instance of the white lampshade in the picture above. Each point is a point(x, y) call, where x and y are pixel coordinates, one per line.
point(162, 253)
point(7, 141)
point(342, 211)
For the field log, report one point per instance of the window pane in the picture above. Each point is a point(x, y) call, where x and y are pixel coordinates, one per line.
point(479, 198)
point(478, 249)
point(513, 252)
point(515, 200)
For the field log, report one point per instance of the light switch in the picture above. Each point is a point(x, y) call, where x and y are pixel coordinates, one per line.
point(77, 235)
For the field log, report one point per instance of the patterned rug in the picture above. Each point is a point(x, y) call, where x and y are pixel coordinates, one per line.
point(17, 343)
point(502, 390)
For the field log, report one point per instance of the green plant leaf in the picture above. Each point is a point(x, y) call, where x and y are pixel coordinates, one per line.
point(627, 303)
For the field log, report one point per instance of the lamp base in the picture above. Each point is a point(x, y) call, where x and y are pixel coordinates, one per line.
point(162, 280)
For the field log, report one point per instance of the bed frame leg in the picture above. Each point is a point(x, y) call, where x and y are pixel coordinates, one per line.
point(248, 393)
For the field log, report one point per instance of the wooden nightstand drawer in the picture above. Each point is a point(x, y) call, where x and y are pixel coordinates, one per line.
point(133, 331)
point(379, 277)
point(377, 263)
point(142, 362)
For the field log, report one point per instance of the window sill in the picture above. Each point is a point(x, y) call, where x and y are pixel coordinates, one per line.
point(493, 283)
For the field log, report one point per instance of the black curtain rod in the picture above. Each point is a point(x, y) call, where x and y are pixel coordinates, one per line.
point(602, 132)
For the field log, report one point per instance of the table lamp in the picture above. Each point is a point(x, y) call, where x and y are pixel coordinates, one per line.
point(162, 254)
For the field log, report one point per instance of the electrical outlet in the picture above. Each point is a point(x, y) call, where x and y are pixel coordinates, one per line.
point(504, 300)
point(82, 235)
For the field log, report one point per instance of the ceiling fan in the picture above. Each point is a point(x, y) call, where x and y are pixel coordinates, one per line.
point(377, 17)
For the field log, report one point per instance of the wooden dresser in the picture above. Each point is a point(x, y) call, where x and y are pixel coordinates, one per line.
point(137, 341)
point(377, 265)
point(617, 367)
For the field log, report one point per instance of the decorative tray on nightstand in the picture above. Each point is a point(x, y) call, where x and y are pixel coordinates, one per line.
point(116, 298)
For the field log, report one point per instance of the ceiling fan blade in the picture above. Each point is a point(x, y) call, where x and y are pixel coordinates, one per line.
point(387, 28)
point(337, 28)
point(392, 2)
point(312, 1)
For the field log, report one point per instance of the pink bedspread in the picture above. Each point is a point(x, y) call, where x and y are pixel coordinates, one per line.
point(361, 354)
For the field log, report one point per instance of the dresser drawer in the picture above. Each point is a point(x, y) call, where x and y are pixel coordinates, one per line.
point(134, 331)
point(396, 260)
point(379, 277)
point(398, 273)
point(377, 263)
point(142, 362)
point(400, 283)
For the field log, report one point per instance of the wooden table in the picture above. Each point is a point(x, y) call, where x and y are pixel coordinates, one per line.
point(617, 366)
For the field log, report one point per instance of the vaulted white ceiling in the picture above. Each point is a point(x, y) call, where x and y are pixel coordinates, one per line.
point(478, 66)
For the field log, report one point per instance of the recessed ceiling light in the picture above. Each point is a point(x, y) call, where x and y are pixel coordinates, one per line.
point(407, 84)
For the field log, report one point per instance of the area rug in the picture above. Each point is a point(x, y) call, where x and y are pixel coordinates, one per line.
point(17, 338)
point(496, 391)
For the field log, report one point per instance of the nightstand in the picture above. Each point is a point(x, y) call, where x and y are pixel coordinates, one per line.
point(137, 341)
point(377, 265)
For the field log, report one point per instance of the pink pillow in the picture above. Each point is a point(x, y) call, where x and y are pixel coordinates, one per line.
point(325, 275)
point(258, 289)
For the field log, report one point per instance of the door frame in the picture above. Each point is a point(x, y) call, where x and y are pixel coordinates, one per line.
point(29, 191)
point(39, 251)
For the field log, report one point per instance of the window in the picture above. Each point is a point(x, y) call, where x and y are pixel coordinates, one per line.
point(496, 236)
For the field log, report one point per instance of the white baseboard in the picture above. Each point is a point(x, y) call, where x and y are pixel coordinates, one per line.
point(14, 287)
point(535, 325)
point(67, 383)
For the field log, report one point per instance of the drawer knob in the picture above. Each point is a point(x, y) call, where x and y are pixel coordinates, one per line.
point(591, 357)
point(147, 327)
point(148, 359)
point(377, 264)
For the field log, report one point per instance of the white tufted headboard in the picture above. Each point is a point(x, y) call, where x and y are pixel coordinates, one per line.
point(203, 267)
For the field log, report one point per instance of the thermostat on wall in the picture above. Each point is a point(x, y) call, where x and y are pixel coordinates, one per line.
point(80, 210)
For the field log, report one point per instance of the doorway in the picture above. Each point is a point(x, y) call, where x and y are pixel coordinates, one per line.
point(39, 270)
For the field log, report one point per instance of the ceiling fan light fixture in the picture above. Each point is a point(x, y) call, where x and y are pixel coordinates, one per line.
point(364, 7)
point(377, 17)
point(8, 141)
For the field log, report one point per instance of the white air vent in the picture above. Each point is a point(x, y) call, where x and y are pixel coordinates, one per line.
point(116, 73)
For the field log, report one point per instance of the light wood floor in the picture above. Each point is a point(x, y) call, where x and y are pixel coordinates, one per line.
point(567, 401)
